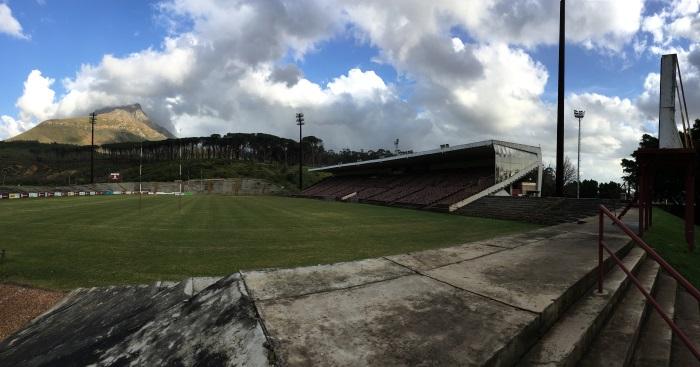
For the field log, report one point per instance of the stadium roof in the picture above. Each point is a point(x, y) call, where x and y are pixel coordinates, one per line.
point(471, 150)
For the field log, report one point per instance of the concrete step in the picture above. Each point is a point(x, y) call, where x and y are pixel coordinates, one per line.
point(566, 341)
point(614, 345)
point(654, 345)
point(687, 317)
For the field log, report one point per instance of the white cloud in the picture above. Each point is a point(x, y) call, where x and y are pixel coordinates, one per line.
point(9, 24)
point(689, 62)
point(610, 130)
point(359, 85)
point(685, 7)
point(654, 24)
point(594, 24)
point(37, 102)
point(11, 127)
point(677, 20)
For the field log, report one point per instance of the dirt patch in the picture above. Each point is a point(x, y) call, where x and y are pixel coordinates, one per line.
point(20, 305)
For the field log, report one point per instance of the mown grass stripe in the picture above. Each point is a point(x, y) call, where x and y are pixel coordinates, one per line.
point(64, 243)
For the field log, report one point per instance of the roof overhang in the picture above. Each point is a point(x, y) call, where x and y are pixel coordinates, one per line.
point(471, 150)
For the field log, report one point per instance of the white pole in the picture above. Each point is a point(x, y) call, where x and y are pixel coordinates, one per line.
point(179, 197)
point(140, 169)
point(181, 170)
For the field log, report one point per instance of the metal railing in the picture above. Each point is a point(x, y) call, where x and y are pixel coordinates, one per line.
point(650, 251)
point(629, 206)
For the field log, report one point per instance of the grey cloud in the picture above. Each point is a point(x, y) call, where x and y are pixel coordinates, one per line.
point(434, 58)
point(289, 74)
point(694, 58)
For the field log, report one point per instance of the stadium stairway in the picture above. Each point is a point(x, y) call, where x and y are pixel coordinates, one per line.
point(521, 300)
point(547, 211)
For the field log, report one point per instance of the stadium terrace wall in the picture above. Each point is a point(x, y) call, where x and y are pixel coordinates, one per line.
point(441, 179)
point(228, 186)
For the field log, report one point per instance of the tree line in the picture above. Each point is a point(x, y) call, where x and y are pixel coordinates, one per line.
point(39, 163)
point(588, 188)
point(256, 147)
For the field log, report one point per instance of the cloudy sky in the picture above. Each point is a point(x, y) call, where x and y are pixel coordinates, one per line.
point(364, 72)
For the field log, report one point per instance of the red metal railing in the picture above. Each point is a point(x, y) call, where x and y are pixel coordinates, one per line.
point(629, 206)
point(650, 251)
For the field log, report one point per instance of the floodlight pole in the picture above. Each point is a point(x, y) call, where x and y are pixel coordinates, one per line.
point(300, 122)
point(560, 104)
point(579, 115)
point(140, 164)
point(179, 200)
point(140, 169)
point(92, 149)
point(180, 151)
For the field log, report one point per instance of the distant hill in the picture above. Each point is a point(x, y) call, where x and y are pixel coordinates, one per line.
point(114, 125)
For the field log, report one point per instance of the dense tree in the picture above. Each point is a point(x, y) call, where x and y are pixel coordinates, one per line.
point(609, 190)
point(229, 148)
point(549, 179)
point(569, 171)
point(589, 189)
point(629, 166)
point(668, 182)
point(548, 182)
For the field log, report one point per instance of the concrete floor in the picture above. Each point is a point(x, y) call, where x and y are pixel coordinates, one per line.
point(480, 303)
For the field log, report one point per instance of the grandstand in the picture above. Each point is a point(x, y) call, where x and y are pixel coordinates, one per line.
point(446, 179)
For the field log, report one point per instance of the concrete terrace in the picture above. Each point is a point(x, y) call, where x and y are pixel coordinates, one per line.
point(496, 302)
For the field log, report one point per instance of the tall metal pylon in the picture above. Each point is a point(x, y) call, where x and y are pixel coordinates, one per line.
point(93, 120)
point(300, 122)
point(559, 178)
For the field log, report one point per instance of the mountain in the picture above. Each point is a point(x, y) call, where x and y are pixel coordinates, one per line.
point(113, 125)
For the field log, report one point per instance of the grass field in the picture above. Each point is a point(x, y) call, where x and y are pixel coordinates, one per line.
point(62, 243)
point(667, 237)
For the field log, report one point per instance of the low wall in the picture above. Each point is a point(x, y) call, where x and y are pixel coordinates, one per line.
point(226, 186)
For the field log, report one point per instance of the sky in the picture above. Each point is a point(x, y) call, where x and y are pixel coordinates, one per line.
point(364, 72)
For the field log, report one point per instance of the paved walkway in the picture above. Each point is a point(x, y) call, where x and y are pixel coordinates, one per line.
point(480, 303)
point(466, 305)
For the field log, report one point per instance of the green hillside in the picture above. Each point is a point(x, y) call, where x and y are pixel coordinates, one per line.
point(113, 125)
point(31, 163)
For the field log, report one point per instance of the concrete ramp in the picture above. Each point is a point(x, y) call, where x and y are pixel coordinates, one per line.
point(194, 322)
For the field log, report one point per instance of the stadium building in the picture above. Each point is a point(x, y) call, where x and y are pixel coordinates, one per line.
point(447, 178)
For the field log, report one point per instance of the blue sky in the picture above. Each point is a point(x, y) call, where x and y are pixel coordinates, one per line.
point(367, 71)
point(66, 34)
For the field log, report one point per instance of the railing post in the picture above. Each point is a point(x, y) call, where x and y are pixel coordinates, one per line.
point(601, 271)
point(647, 200)
point(650, 205)
point(640, 201)
point(662, 263)
point(690, 207)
